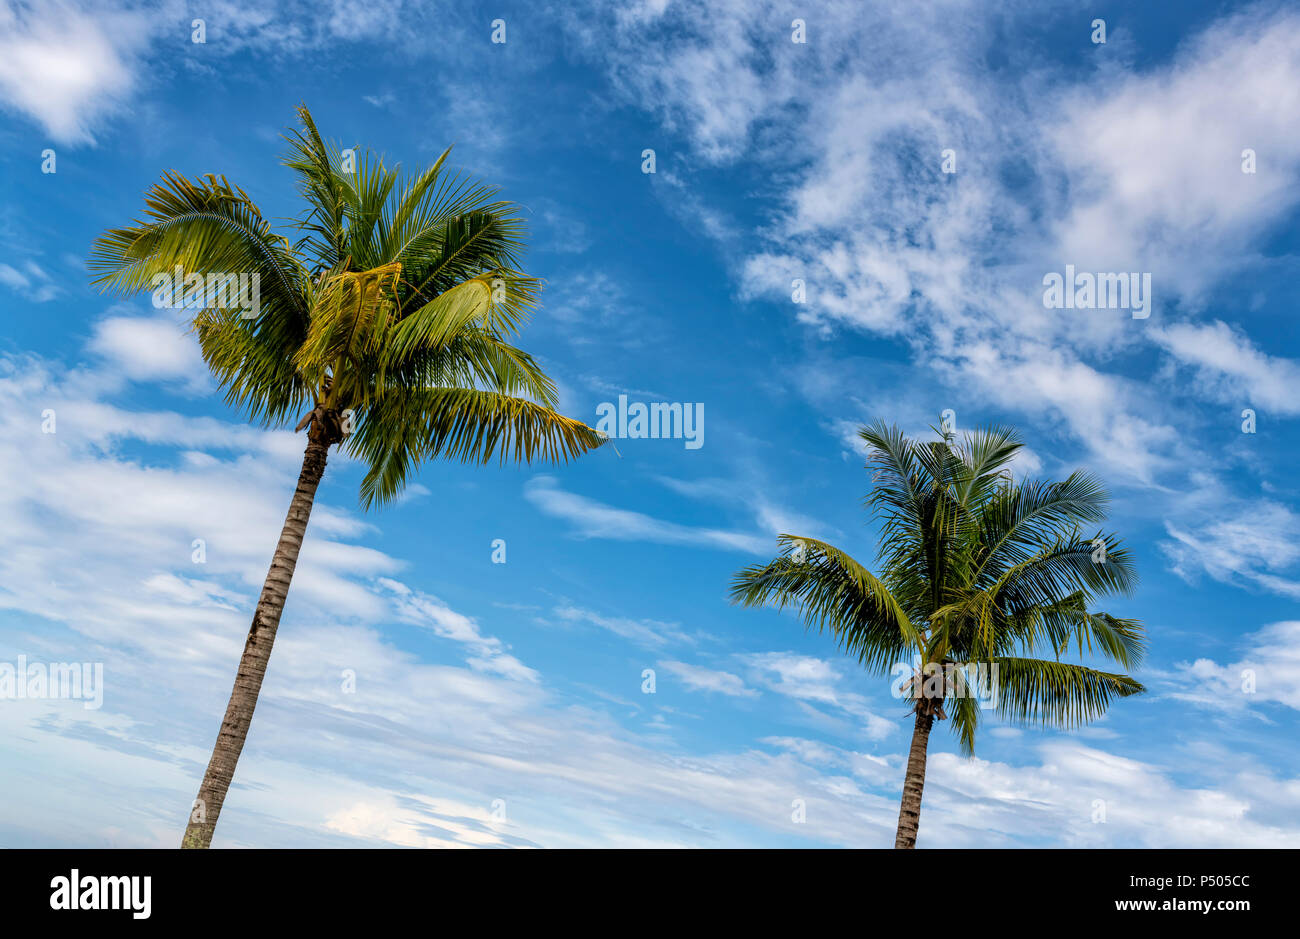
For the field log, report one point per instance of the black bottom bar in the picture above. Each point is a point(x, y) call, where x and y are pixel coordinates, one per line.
point(618, 889)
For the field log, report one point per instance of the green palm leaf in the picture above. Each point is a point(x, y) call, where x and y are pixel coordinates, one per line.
point(975, 568)
point(1057, 694)
point(468, 425)
point(833, 592)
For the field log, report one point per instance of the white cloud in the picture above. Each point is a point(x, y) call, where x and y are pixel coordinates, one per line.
point(1268, 672)
point(592, 519)
point(151, 349)
point(798, 676)
point(1116, 170)
point(1089, 798)
point(72, 66)
point(488, 653)
point(750, 492)
point(698, 678)
point(1157, 156)
point(73, 488)
point(1256, 542)
point(809, 751)
point(648, 633)
point(816, 681)
point(67, 67)
point(31, 282)
point(1229, 366)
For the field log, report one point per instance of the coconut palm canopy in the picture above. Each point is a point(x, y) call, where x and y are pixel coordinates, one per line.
point(387, 323)
point(977, 572)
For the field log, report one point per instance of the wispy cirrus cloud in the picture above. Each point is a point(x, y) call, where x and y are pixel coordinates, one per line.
point(32, 282)
point(1255, 542)
point(643, 632)
point(815, 681)
point(487, 653)
point(1228, 366)
point(951, 264)
point(1267, 673)
point(699, 678)
point(593, 519)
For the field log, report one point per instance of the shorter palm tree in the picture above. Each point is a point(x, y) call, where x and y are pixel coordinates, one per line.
point(980, 576)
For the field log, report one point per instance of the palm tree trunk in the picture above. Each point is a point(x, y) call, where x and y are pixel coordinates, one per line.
point(257, 650)
point(909, 812)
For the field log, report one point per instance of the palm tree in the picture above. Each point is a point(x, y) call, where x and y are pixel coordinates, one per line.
point(385, 328)
point(978, 574)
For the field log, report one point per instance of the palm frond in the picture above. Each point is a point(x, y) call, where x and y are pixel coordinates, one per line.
point(253, 365)
point(833, 593)
point(491, 301)
point(1057, 694)
point(351, 312)
point(1070, 622)
point(985, 454)
point(323, 188)
point(402, 429)
point(1021, 517)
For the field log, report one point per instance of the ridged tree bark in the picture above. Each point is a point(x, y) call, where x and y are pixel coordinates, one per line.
point(257, 648)
point(909, 812)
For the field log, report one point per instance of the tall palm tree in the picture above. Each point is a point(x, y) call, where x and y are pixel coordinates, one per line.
point(384, 329)
point(979, 576)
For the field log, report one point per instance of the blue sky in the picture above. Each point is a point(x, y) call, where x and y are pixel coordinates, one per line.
point(520, 684)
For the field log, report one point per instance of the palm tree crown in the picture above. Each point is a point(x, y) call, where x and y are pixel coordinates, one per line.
point(976, 570)
point(387, 322)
